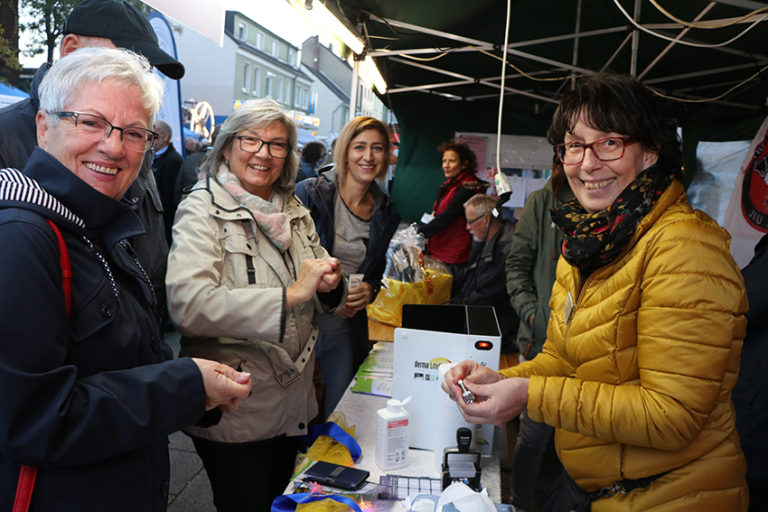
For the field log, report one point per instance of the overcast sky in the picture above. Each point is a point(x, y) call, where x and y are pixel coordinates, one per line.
point(275, 15)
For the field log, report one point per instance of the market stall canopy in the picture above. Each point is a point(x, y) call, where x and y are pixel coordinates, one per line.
point(442, 64)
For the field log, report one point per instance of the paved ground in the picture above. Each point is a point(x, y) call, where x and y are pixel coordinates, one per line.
point(190, 490)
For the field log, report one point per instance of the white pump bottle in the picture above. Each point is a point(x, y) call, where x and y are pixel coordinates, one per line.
point(392, 435)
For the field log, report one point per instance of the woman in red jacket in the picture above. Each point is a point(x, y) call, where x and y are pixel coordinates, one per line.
point(449, 240)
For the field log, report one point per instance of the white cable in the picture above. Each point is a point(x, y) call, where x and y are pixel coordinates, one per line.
point(682, 41)
point(501, 90)
point(707, 25)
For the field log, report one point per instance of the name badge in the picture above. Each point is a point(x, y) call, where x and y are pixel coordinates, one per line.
point(567, 308)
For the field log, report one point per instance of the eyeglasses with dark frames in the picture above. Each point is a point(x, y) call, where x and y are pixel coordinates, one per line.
point(252, 144)
point(606, 150)
point(133, 138)
point(470, 222)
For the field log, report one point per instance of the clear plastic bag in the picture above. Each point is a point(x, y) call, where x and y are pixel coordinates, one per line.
point(410, 278)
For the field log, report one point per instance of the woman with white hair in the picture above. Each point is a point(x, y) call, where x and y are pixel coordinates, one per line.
point(89, 395)
point(246, 273)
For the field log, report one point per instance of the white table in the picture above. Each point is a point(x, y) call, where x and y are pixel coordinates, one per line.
point(360, 410)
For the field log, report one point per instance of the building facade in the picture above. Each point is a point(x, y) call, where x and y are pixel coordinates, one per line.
point(312, 84)
point(252, 63)
point(333, 79)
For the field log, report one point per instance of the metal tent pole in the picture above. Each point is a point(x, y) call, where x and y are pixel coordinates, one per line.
point(353, 92)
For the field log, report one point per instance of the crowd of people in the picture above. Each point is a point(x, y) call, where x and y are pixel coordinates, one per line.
point(622, 314)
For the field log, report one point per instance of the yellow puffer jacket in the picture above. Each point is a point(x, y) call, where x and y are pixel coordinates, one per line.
point(637, 375)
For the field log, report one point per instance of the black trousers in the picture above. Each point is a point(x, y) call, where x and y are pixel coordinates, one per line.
point(247, 476)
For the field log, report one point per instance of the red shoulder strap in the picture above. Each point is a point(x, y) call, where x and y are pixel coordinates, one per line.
point(66, 269)
point(28, 474)
point(24, 488)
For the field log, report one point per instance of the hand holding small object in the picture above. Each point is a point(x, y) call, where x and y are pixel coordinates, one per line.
point(466, 394)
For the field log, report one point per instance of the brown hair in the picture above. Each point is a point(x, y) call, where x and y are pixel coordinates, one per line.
point(559, 179)
point(622, 104)
point(466, 156)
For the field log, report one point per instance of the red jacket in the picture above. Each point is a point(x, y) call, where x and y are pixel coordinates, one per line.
point(449, 240)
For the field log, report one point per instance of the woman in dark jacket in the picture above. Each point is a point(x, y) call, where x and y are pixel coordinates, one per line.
point(89, 396)
point(449, 240)
point(355, 221)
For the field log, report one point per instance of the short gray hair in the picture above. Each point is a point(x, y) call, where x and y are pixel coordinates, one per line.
point(162, 127)
point(256, 114)
point(93, 65)
point(481, 203)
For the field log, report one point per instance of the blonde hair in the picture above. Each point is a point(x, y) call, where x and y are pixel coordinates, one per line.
point(351, 130)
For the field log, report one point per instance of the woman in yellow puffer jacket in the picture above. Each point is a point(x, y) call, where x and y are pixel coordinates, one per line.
point(647, 321)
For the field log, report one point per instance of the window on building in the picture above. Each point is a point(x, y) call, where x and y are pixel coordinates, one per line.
point(275, 49)
point(287, 91)
point(246, 76)
point(256, 81)
point(259, 40)
point(280, 90)
point(269, 86)
point(241, 31)
point(302, 97)
point(291, 56)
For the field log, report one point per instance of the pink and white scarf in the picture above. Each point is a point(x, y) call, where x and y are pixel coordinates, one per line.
point(268, 214)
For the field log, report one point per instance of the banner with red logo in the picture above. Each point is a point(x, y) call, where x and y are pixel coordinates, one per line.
point(747, 216)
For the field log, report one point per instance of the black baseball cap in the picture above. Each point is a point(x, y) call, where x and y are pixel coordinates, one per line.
point(120, 22)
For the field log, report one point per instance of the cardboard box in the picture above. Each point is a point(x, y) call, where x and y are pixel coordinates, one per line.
point(433, 335)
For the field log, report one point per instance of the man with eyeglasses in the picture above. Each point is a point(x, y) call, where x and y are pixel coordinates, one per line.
point(111, 24)
point(483, 281)
point(166, 165)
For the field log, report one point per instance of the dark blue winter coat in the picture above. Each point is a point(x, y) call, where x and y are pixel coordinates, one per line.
point(89, 398)
point(18, 137)
point(318, 195)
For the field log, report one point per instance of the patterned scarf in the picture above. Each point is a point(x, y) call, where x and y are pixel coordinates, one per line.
point(268, 214)
point(595, 239)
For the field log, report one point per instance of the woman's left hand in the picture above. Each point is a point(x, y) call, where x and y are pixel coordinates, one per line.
point(357, 299)
point(496, 403)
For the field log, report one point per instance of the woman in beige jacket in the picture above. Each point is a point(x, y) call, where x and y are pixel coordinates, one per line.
point(245, 274)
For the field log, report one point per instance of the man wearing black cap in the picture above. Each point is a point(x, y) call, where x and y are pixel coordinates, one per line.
point(103, 23)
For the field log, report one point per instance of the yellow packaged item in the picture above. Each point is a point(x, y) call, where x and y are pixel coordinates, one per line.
point(330, 450)
point(388, 306)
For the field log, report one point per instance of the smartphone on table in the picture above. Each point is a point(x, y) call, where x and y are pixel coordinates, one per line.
point(335, 475)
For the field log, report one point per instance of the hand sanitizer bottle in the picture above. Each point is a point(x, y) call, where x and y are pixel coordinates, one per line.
point(392, 435)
